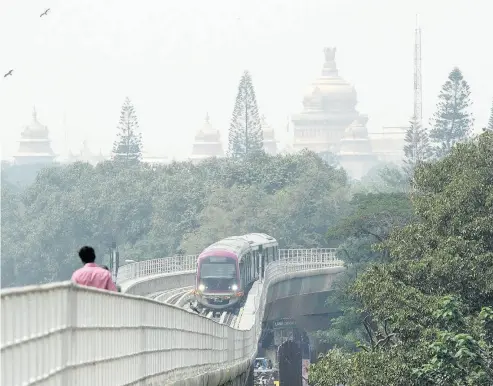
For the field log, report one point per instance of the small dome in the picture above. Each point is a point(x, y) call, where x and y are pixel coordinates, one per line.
point(35, 130)
point(357, 129)
point(330, 90)
point(207, 142)
point(207, 127)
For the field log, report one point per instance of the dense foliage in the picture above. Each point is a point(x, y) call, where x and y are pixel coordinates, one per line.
point(369, 219)
point(424, 304)
point(157, 211)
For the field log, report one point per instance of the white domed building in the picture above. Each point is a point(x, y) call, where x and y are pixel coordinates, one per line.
point(34, 145)
point(207, 143)
point(329, 108)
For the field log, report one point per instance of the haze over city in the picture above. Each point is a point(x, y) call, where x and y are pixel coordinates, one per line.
point(179, 61)
point(246, 193)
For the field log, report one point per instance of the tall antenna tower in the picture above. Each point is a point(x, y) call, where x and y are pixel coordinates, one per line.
point(65, 130)
point(418, 90)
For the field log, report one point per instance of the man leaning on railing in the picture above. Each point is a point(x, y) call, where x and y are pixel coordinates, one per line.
point(91, 274)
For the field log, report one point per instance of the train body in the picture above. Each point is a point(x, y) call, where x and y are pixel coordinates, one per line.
point(227, 268)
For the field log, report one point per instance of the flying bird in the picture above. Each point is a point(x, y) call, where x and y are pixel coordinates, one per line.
point(45, 13)
point(8, 73)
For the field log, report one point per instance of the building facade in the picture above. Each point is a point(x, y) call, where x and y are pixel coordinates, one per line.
point(86, 155)
point(355, 151)
point(388, 144)
point(269, 137)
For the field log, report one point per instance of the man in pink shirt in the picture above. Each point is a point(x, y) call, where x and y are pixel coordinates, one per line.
point(91, 274)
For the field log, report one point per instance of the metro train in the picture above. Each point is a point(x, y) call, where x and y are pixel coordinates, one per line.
point(227, 269)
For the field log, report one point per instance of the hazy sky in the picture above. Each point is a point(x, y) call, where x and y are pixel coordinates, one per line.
point(177, 60)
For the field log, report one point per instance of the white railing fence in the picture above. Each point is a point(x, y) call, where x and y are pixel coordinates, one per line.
point(310, 258)
point(157, 266)
point(188, 263)
point(63, 334)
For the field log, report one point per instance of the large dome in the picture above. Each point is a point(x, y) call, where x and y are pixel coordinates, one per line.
point(330, 90)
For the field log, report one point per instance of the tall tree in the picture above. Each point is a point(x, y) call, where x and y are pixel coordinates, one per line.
point(127, 147)
point(490, 122)
point(245, 131)
point(452, 121)
point(417, 146)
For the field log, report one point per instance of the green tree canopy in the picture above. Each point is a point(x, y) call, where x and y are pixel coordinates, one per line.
point(368, 220)
point(426, 303)
point(158, 211)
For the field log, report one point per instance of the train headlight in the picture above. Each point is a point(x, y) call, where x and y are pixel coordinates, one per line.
point(201, 287)
point(234, 287)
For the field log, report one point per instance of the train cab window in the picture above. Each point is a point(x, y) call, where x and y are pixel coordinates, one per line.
point(217, 273)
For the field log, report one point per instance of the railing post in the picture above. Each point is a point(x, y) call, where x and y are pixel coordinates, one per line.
point(69, 347)
point(142, 336)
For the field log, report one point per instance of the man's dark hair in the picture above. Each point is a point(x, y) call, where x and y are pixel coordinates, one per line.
point(87, 254)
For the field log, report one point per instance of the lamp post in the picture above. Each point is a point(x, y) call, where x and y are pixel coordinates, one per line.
point(114, 259)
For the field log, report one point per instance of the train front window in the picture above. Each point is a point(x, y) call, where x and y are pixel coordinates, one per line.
point(218, 274)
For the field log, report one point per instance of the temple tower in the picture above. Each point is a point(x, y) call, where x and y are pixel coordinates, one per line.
point(329, 108)
point(34, 145)
point(207, 143)
point(269, 137)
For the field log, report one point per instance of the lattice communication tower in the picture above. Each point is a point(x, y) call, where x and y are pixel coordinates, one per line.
point(418, 103)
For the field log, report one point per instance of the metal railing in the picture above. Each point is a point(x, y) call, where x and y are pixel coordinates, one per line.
point(151, 267)
point(188, 263)
point(63, 334)
point(315, 257)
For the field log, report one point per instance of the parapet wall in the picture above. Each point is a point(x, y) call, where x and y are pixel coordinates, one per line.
point(61, 333)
